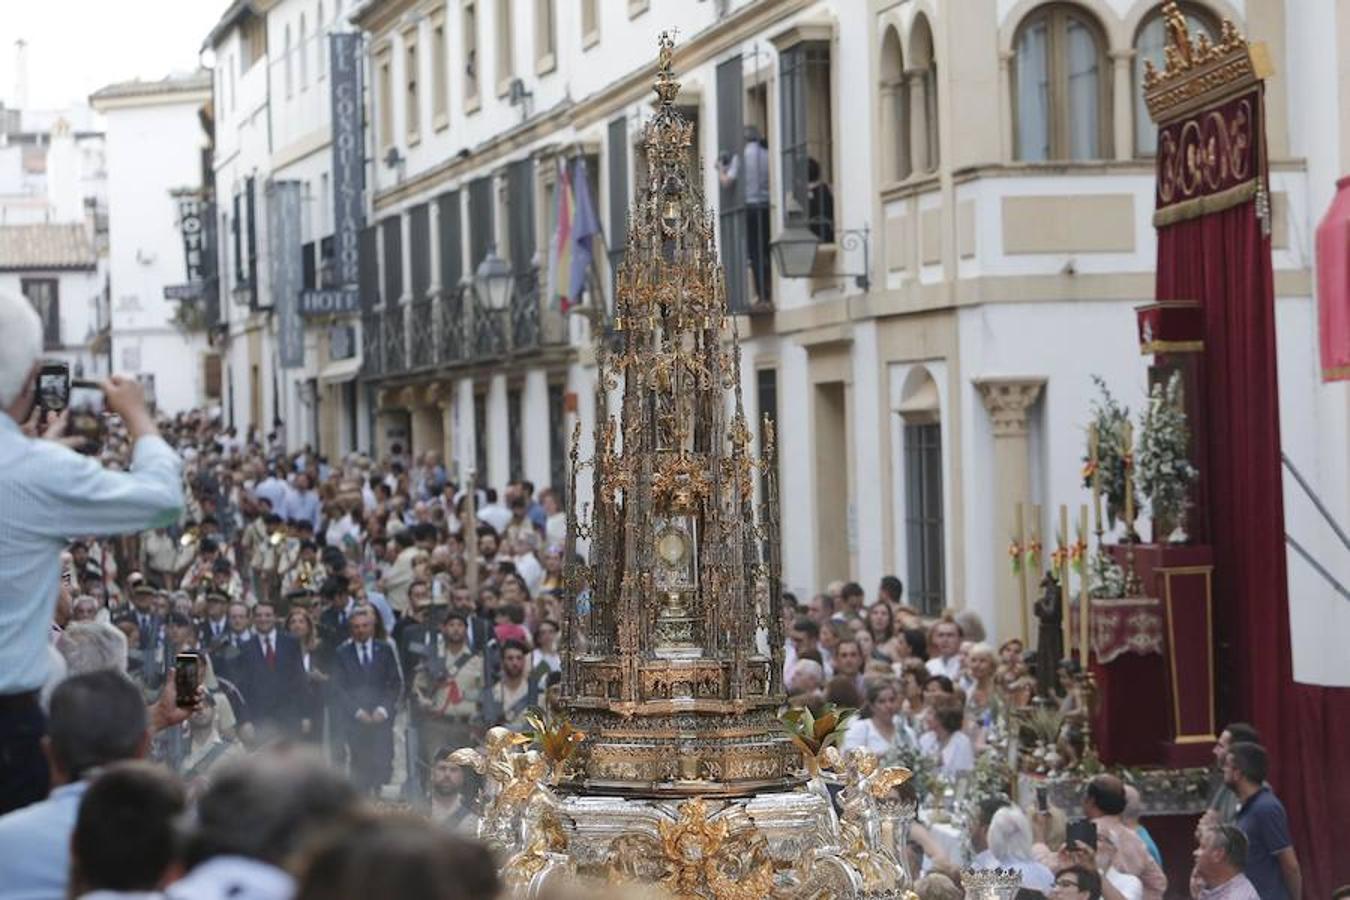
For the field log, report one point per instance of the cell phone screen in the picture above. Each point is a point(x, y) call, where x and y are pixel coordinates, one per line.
point(186, 678)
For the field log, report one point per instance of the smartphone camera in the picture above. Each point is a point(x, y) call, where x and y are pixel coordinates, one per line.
point(1042, 798)
point(187, 677)
point(53, 386)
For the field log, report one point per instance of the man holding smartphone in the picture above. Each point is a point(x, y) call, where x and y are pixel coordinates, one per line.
point(49, 493)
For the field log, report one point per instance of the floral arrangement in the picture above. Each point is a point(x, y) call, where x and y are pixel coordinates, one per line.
point(1106, 580)
point(1165, 473)
point(1113, 457)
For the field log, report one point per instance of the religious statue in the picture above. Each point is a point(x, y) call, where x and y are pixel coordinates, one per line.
point(1049, 636)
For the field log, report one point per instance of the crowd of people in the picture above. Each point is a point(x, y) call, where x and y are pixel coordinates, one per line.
point(287, 646)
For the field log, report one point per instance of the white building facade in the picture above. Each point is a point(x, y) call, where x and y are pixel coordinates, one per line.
point(273, 105)
point(990, 175)
point(155, 143)
point(53, 228)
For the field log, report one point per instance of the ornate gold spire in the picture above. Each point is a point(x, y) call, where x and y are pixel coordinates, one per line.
point(1195, 69)
point(674, 648)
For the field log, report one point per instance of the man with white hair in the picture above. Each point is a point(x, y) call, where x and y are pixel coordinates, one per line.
point(49, 493)
point(92, 646)
point(1010, 848)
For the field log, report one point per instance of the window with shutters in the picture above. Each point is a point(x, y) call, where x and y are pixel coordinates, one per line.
point(211, 375)
point(590, 23)
point(482, 220)
point(731, 212)
point(309, 270)
point(412, 80)
point(384, 87)
point(1061, 88)
point(392, 231)
point(450, 241)
point(369, 251)
point(520, 220)
point(505, 30)
point(440, 72)
point(545, 37)
point(923, 516)
point(45, 295)
point(806, 115)
point(469, 50)
point(419, 239)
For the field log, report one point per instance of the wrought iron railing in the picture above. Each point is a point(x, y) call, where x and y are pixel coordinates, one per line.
point(422, 333)
point(450, 343)
point(458, 327)
point(372, 344)
point(525, 312)
point(395, 357)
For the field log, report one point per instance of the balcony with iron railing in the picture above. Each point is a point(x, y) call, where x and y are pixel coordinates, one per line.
point(460, 327)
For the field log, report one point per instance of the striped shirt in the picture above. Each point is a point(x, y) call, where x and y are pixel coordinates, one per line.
point(49, 494)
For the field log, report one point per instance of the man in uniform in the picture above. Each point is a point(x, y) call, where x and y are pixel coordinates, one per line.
point(446, 688)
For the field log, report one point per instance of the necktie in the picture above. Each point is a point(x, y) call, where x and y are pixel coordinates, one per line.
point(365, 656)
point(271, 654)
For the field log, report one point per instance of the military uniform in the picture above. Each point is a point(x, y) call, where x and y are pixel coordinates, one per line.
point(446, 689)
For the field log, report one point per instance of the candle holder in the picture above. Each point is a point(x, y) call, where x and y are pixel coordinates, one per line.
point(1090, 762)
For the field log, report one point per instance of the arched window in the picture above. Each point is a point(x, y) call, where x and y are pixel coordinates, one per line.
point(923, 96)
point(1148, 45)
point(894, 109)
point(1061, 86)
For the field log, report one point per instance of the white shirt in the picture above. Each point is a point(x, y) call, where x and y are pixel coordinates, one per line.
point(497, 516)
point(957, 757)
point(233, 878)
point(1130, 886)
point(950, 666)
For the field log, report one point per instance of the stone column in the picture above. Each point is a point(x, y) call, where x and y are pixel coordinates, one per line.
point(1007, 401)
point(1123, 99)
point(918, 122)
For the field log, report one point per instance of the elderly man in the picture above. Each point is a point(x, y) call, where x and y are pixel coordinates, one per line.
point(1219, 861)
point(49, 492)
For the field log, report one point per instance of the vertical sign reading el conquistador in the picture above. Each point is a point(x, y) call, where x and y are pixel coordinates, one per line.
point(286, 269)
point(348, 158)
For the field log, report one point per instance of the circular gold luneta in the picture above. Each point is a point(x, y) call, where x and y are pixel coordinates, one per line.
point(672, 545)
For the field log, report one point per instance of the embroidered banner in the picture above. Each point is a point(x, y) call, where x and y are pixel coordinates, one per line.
point(1210, 160)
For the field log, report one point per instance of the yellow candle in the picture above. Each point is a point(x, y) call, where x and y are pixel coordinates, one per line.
point(1084, 601)
point(1064, 581)
point(1128, 449)
point(1094, 451)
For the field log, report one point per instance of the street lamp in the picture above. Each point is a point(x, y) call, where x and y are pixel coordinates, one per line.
point(795, 251)
point(493, 279)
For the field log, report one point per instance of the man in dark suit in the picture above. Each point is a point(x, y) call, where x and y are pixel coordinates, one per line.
point(367, 686)
point(213, 631)
point(271, 675)
point(149, 623)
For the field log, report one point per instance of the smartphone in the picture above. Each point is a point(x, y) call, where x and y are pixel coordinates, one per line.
point(53, 386)
point(1083, 832)
point(187, 677)
point(1042, 798)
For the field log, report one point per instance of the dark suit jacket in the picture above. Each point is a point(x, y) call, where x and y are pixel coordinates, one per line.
point(358, 687)
point(275, 694)
point(207, 640)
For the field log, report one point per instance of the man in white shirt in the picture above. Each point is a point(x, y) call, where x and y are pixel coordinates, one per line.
point(48, 493)
point(944, 645)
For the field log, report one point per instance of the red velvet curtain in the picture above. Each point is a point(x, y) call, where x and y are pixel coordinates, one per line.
point(1222, 260)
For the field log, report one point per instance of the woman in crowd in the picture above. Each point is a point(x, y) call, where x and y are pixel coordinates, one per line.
point(982, 704)
point(945, 742)
point(881, 627)
point(879, 728)
point(300, 626)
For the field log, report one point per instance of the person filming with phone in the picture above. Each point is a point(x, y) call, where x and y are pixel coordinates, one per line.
point(49, 494)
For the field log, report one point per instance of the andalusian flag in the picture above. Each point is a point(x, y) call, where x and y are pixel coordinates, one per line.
point(560, 249)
